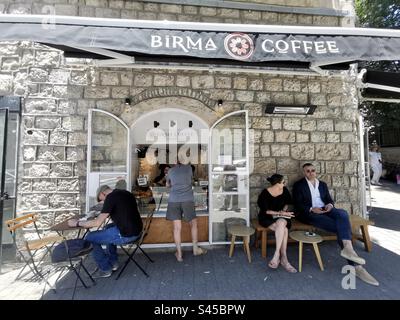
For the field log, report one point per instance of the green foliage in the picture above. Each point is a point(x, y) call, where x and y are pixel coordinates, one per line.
point(380, 14)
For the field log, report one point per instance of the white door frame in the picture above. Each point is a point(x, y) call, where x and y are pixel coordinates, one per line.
point(210, 172)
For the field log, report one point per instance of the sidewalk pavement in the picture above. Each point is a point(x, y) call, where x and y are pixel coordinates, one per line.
point(216, 276)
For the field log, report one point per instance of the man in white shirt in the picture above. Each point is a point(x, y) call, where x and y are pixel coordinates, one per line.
point(315, 206)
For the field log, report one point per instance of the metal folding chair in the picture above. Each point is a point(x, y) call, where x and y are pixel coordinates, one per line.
point(29, 250)
point(137, 244)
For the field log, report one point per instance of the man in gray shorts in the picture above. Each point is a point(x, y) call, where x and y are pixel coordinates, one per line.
point(181, 206)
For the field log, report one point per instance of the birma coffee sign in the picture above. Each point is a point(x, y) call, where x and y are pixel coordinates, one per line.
point(243, 46)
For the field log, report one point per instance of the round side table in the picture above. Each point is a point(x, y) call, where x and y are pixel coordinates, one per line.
point(303, 237)
point(241, 231)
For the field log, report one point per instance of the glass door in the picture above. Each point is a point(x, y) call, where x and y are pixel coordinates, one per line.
point(228, 175)
point(108, 154)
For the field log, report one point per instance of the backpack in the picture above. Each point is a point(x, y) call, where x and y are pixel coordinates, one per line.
point(76, 248)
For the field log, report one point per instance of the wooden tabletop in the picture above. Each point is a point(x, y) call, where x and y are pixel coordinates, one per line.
point(241, 230)
point(63, 226)
point(302, 236)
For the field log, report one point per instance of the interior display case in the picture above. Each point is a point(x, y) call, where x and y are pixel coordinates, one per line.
point(157, 197)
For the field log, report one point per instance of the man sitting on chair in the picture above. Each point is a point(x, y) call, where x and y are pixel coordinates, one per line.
point(315, 206)
point(127, 225)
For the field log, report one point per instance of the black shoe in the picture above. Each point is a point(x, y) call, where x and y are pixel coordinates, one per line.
point(101, 274)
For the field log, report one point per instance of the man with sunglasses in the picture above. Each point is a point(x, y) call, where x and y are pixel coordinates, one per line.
point(314, 205)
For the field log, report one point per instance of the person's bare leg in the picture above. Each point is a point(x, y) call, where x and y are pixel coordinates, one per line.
point(284, 247)
point(194, 231)
point(279, 228)
point(177, 239)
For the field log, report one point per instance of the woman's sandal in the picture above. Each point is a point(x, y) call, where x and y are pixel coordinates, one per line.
point(273, 265)
point(178, 258)
point(289, 268)
point(200, 251)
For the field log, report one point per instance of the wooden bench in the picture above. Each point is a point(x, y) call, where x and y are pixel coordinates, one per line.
point(359, 227)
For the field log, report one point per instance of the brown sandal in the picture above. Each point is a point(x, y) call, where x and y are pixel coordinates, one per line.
point(200, 251)
point(178, 258)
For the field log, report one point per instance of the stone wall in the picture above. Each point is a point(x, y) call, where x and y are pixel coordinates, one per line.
point(143, 10)
point(57, 96)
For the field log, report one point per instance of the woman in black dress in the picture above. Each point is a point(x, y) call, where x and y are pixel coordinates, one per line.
point(273, 202)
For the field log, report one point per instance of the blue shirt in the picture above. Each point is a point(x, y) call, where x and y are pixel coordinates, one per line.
point(180, 179)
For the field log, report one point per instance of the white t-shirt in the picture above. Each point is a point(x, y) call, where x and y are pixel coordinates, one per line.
point(374, 158)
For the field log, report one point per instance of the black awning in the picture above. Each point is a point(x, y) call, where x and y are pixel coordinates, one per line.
point(380, 78)
point(218, 42)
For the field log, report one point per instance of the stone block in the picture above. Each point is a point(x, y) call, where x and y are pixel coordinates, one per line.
point(265, 150)
point(280, 150)
point(287, 165)
point(203, 82)
point(334, 167)
point(38, 75)
point(240, 83)
point(333, 137)
point(318, 136)
point(291, 85)
point(332, 151)
point(126, 78)
point(47, 122)
point(255, 109)
point(107, 13)
point(40, 105)
point(109, 79)
point(68, 185)
point(36, 170)
point(302, 151)
point(74, 123)
point(34, 202)
point(260, 123)
point(263, 97)
point(268, 136)
point(66, 106)
point(300, 98)
point(75, 154)
point(44, 185)
point(62, 201)
point(343, 126)
point(274, 84)
point(245, 96)
point(47, 58)
point(326, 21)
point(318, 99)
point(349, 137)
point(276, 124)
point(264, 166)
point(161, 80)
point(302, 137)
point(97, 92)
point(255, 136)
point(59, 76)
point(288, 18)
point(45, 153)
point(61, 170)
point(269, 17)
point(58, 137)
point(291, 124)
point(29, 153)
point(35, 137)
point(285, 136)
point(228, 13)
point(171, 8)
point(350, 167)
point(282, 98)
point(120, 92)
point(208, 11)
point(256, 84)
point(325, 125)
point(190, 10)
point(183, 81)
point(77, 138)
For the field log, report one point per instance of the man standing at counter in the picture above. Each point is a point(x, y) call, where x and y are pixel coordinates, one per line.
point(181, 206)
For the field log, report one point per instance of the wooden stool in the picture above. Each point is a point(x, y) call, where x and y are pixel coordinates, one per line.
point(302, 237)
point(241, 231)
